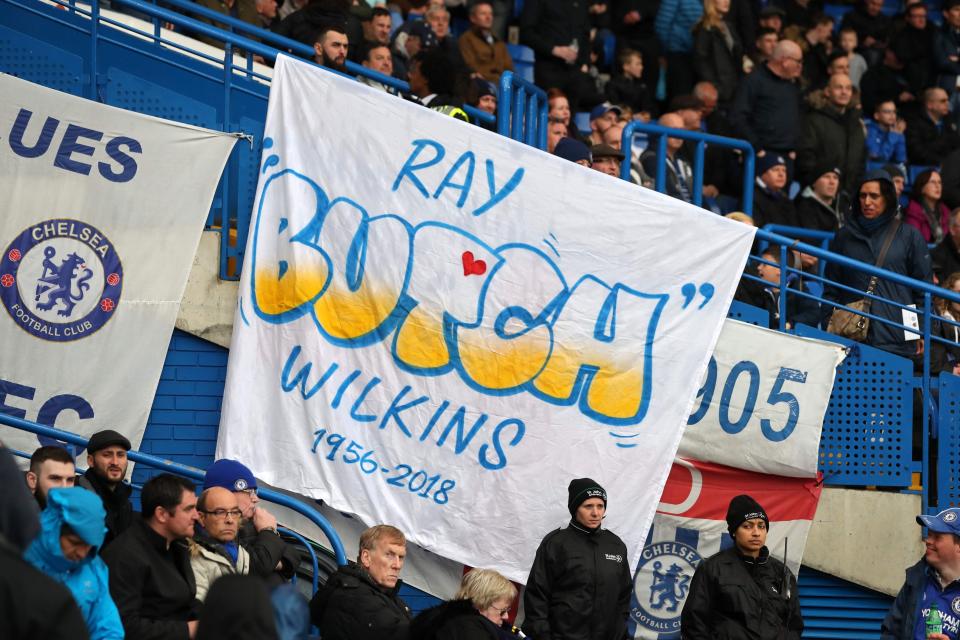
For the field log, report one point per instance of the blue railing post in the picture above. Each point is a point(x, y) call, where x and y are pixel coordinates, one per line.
point(660, 182)
point(532, 133)
point(749, 163)
point(626, 146)
point(698, 173)
point(517, 112)
point(505, 104)
point(925, 385)
point(542, 121)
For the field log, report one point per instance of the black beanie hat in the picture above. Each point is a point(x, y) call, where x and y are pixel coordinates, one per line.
point(581, 490)
point(743, 508)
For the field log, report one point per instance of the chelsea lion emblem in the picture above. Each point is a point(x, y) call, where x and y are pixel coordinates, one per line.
point(61, 279)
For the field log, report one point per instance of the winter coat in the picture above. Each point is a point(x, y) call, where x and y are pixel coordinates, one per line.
point(733, 597)
point(902, 616)
point(579, 586)
point(351, 606)
point(811, 213)
point(944, 356)
point(453, 620)
point(648, 160)
point(766, 111)
point(632, 93)
point(243, 10)
point(945, 46)
point(151, 583)
point(32, 604)
point(116, 501)
point(916, 217)
point(209, 561)
point(832, 137)
point(674, 24)
point(87, 579)
point(715, 62)
point(488, 57)
point(545, 24)
point(876, 27)
point(950, 175)
point(907, 256)
point(927, 143)
point(303, 24)
point(772, 207)
point(800, 310)
point(914, 48)
point(885, 145)
point(879, 84)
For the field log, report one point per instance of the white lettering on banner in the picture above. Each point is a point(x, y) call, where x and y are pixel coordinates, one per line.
point(425, 336)
point(93, 266)
point(762, 389)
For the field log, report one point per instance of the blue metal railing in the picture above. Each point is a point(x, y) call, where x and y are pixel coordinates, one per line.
point(189, 472)
point(525, 115)
point(700, 140)
point(919, 289)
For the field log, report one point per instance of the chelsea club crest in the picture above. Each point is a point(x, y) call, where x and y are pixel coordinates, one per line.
point(661, 585)
point(61, 279)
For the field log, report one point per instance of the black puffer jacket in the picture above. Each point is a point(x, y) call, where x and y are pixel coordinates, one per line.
point(812, 213)
point(766, 111)
point(715, 62)
point(579, 586)
point(733, 597)
point(351, 606)
point(908, 256)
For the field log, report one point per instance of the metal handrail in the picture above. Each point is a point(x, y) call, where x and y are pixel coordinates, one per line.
point(526, 105)
point(701, 139)
point(283, 44)
point(189, 472)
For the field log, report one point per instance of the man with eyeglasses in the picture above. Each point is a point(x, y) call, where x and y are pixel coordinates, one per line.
point(270, 557)
point(766, 108)
point(214, 551)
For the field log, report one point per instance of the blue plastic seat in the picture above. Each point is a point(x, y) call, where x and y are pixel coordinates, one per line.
point(523, 59)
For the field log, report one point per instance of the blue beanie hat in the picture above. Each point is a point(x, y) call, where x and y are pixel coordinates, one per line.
point(229, 474)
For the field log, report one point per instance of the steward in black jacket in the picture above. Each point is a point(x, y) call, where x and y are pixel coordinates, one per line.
point(734, 596)
point(351, 606)
point(580, 584)
point(742, 593)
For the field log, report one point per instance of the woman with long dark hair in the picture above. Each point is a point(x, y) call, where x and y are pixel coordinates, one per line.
point(926, 210)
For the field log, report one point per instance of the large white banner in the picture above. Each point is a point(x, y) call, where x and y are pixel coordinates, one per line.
point(102, 212)
point(440, 328)
point(761, 401)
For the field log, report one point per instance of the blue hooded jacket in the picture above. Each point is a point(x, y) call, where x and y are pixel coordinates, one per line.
point(86, 579)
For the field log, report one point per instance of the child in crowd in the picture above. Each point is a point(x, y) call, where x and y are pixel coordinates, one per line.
point(858, 65)
point(628, 89)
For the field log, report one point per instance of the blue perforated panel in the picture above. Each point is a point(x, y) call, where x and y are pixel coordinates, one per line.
point(38, 61)
point(948, 444)
point(839, 610)
point(136, 94)
point(867, 430)
point(749, 314)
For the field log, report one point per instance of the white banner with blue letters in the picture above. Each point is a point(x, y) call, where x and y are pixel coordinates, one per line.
point(439, 328)
point(102, 212)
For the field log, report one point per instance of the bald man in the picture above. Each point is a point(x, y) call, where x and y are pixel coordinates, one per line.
point(766, 108)
point(679, 183)
point(214, 551)
point(833, 136)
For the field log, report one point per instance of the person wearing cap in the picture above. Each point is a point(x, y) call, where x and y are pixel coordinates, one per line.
point(771, 17)
point(899, 177)
point(832, 132)
point(574, 151)
point(822, 205)
point(872, 217)
point(270, 557)
point(935, 579)
point(606, 159)
point(580, 582)
point(743, 591)
point(602, 117)
point(106, 470)
point(484, 53)
point(771, 204)
point(68, 550)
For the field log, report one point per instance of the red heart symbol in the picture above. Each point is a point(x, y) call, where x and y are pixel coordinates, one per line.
point(472, 267)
